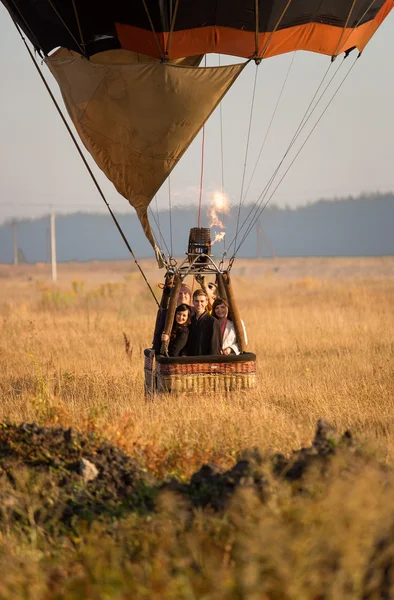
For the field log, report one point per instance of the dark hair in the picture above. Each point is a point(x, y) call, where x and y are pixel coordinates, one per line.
point(182, 308)
point(217, 303)
point(175, 325)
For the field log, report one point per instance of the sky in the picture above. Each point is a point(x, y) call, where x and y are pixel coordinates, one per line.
point(349, 152)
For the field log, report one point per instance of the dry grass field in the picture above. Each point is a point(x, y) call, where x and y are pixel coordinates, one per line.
point(323, 332)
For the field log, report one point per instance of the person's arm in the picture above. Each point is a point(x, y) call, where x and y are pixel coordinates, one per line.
point(216, 342)
point(179, 343)
point(245, 336)
point(230, 341)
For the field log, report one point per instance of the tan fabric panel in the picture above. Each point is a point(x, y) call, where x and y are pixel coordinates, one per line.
point(137, 119)
point(126, 57)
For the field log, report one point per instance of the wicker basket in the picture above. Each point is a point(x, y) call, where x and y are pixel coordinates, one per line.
point(203, 374)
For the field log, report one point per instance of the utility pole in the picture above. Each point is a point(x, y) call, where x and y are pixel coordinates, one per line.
point(15, 242)
point(48, 244)
point(53, 247)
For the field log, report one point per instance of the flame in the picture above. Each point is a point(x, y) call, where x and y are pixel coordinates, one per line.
point(219, 237)
point(215, 221)
point(220, 204)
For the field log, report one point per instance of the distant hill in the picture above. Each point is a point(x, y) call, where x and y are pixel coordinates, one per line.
point(362, 226)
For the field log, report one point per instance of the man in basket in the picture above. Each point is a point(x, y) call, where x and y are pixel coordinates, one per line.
point(205, 336)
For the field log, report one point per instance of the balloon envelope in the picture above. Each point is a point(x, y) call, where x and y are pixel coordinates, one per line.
point(180, 28)
point(129, 70)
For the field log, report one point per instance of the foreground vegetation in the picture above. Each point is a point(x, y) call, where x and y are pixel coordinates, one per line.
point(323, 334)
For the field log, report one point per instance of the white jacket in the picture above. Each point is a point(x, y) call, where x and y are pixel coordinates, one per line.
point(230, 337)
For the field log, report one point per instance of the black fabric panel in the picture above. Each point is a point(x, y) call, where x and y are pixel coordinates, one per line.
point(46, 31)
point(241, 14)
point(98, 17)
point(329, 12)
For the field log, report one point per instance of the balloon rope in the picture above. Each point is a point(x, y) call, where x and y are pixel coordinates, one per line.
point(222, 164)
point(79, 26)
point(257, 28)
point(170, 211)
point(85, 161)
point(16, 8)
point(240, 204)
point(156, 219)
point(252, 224)
point(171, 28)
point(345, 41)
point(202, 165)
point(153, 30)
point(269, 126)
point(344, 28)
point(307, 115)
point(59, 16)
point(265, 47)
point(201, 176)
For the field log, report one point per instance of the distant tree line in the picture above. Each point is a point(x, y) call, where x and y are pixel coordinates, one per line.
point(361, 226)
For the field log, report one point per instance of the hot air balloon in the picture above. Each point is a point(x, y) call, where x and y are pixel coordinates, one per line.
point(132, 81)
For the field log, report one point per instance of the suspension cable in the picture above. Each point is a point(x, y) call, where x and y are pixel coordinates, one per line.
point(202, 165)
point(171, 28)
point(265, 47)
point(79, 26)
point(246, 152)
point(153, 30)
point(298, 132)
point(201, 176)
point(307, 115)
point(355, 27)
point(297, 154)
point(256, 206)
point(344, 28)
point(156, 219)
point(270, 124)
point(358, 23)
point(16, 7)
point(84, 159)
point(256, 33)
point(222, 160)
point(170, 211)
point(59, 16)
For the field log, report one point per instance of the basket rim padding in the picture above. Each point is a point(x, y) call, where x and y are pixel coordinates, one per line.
point(216, 358)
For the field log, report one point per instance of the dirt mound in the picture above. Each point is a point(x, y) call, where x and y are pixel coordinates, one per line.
point(84, 477)
point(213, 486)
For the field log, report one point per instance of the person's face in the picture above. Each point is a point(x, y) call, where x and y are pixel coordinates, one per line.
point(200, 304)
point(181, 317)
point(212, 291)
point(221, 311)
point(183, 297)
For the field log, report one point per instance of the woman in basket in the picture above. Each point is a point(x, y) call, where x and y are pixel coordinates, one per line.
point(220, 310)
point(180, 331)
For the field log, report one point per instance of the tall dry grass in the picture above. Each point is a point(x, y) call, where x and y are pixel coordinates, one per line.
point(323, 334)
point(324, 342)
